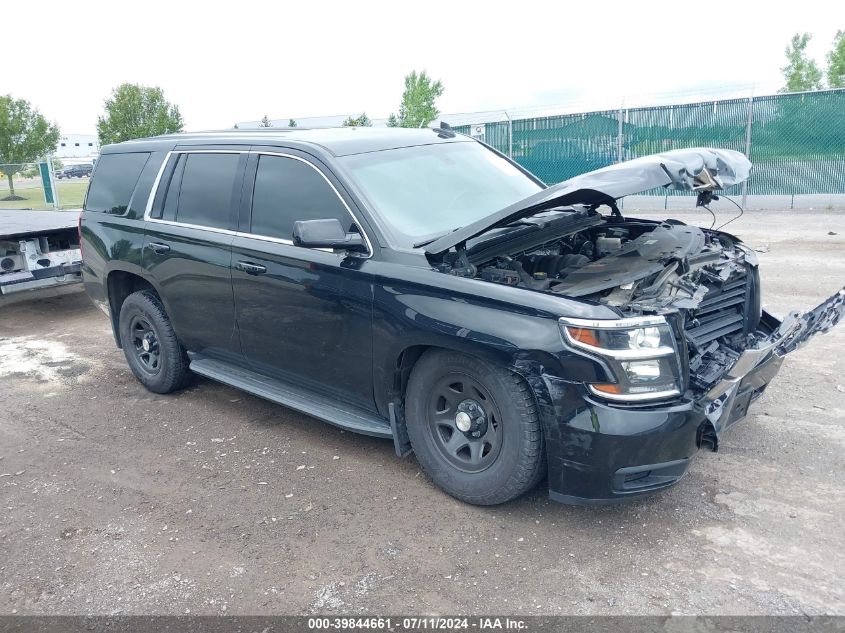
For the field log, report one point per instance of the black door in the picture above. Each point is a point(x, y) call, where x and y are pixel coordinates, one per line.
point(188, 248)
point(304, 315)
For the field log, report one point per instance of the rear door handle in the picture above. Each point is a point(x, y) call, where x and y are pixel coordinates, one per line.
point(252, 269)
point(158, 247)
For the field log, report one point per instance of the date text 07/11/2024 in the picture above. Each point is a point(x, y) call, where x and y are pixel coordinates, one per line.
point(417, 623)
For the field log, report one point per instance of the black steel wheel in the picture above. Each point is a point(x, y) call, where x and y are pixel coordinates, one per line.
point(145, 343)
point(464, 422)
point(149, 343)
point(474, 428)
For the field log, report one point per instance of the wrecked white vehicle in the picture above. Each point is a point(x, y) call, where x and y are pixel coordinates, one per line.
point(38, 249)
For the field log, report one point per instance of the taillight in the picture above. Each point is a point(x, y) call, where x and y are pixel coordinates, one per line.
point(79, 233)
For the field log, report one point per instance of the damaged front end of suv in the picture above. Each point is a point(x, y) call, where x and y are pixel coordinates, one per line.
point(690, 331)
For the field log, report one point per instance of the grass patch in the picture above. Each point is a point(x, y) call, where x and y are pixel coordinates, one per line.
point(71, 195)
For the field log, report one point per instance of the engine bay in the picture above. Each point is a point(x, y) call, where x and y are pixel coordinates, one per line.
point(687, 298)
point(704, 282)
point(636, 266)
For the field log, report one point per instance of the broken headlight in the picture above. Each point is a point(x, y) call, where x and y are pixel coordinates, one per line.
point(640, 351)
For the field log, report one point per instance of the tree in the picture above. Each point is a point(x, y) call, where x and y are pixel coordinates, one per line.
point(25, 136)
point(392, 121)
point(265, 122)
point(135, 111)
point(800, 72)
point(235, 127)
point(418, 109)
point(292, 123)
point(360, 121)
point(836, 62)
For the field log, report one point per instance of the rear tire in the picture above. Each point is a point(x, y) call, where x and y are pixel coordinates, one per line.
point(474, 428)
point(149, 343)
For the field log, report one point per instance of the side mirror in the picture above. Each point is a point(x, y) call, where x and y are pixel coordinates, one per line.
point(326, 234)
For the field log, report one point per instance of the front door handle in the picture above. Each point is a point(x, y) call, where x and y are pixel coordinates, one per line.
point(252, 269)
point(158, 247)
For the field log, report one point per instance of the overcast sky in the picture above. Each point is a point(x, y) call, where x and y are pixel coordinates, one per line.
point(228, 62)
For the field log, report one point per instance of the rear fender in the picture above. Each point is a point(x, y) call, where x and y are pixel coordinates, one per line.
point(117, 290)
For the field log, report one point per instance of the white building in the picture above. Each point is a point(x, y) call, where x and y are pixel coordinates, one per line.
point(77, 148)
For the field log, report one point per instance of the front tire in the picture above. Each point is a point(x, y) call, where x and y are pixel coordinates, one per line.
point(149, 343)
point(474, 428)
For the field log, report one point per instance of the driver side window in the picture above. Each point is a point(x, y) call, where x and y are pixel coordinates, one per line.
point(287, 190)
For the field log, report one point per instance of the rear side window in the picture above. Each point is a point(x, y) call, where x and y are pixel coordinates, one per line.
point(287, 190)
point(207, 190)
point(114, 181)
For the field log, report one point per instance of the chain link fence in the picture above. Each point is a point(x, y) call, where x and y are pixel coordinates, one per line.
point(22, 186)
point(795, 141)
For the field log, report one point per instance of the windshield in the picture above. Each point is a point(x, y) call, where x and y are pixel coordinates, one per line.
point(426, 191)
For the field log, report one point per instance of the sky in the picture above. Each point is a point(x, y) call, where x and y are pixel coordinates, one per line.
point(227, 62)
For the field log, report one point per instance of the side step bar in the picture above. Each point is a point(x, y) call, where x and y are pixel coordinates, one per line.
point(346, 417)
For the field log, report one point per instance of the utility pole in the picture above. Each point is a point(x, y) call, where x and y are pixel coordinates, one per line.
point(510, 135)
point(619, 144)
point(747, 146)
point(619, 132)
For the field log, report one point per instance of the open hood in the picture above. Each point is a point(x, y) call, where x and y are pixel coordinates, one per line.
point(695, 169)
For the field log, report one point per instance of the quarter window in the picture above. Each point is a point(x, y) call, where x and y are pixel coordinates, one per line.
point(172, 198)
point(207, 191)
point(114, 181)
point(287, 190)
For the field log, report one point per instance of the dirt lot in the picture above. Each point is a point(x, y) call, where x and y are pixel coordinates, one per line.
point(116, 500)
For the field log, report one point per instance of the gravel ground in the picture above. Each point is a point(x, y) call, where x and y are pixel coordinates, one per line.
point(117, 500)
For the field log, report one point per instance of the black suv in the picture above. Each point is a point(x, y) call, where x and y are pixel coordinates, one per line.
point(75, 171)
point(420, 286)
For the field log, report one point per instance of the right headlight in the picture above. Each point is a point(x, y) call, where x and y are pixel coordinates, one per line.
point(640, 351)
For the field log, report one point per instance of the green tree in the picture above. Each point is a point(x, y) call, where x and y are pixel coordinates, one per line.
point(360, 121)
point(800, 73)
point(135, 111)
point(418, 109)
point(292, 123)
point(392, 121)
point(265, 122)
point(25, 136)
point(836, 62)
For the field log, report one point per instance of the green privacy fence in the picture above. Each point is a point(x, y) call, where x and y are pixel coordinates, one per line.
point(795, 141)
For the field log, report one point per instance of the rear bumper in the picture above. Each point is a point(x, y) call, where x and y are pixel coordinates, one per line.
point(41, 278)
point(600, 453)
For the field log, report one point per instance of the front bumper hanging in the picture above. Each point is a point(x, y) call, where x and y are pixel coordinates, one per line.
point(601, 453)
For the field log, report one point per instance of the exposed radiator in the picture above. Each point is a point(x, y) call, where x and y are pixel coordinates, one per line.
point(721, 312)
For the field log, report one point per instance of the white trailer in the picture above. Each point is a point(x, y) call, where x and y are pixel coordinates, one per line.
point(38, 249)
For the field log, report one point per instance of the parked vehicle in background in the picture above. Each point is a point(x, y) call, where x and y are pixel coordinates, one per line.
point(420, 286)
point(75, 171)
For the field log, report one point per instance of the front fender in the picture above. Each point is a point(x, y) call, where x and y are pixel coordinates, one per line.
point(483, 323)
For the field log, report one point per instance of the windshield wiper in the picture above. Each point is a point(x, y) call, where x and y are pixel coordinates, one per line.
point(435, 238)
